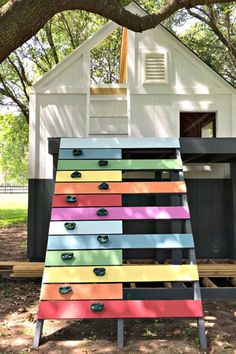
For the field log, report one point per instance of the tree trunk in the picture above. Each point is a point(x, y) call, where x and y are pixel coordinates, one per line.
point(21, 19)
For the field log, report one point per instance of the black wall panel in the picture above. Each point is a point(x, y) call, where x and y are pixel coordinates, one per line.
point(210, 202)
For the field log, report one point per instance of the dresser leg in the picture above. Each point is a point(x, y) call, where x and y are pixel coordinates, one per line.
point(38, 333)
point(201, 333)
point(120, 333)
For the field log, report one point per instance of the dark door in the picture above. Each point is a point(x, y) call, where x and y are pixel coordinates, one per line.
point(198, 124)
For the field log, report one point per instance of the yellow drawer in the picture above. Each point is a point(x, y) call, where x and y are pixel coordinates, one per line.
point(125, 273)
point(89, 176)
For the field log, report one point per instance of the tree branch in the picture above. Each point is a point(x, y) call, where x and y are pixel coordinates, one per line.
point(24, 18)
point(211, 22)
point(68, 30)
point(50, 40)
point(7, 92)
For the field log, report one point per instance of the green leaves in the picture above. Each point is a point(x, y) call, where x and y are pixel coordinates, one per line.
point(13, 148)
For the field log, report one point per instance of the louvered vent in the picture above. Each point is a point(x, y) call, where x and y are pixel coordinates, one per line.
point(155, 67)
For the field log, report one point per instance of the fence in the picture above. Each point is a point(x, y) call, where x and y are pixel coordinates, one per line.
point(13, 189)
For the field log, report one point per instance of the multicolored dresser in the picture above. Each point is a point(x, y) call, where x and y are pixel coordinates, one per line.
point(120, 231)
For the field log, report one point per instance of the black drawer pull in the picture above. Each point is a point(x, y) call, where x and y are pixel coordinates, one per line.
point(77, 152)
point(99, 271)
point(65, 290)
point(103, 185)
point(103, 163)
point(71, 199)
point(102, 212)
point(97, 307)
point(103, 238)
point(67, 256)
point(76, 174)
point(70, 225)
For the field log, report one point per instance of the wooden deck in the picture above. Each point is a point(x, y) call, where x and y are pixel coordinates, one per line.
point(207, 269)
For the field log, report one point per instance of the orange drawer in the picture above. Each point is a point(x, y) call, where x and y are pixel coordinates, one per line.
point(81, 291)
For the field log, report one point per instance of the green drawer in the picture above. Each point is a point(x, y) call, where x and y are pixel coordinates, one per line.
point(167, 164)
point(75, 258)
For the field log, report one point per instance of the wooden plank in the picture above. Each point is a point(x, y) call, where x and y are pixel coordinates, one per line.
point(233, 281)
point(125, 273)
point(165, 241)
point(208, 283)
point(108, 90)
point(89, 176)
point(35, 269)
point(82, 291)
point(216, 270)
point(67, 154)
point(121, 188)
point(86, 227)
point(92, 257)
point(121, 213)
point(165, 164)
point(120, 309)
point(120, 143)
point(88, 200)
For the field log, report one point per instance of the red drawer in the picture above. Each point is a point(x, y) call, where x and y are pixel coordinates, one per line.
point(120, 309)
point(88, 200)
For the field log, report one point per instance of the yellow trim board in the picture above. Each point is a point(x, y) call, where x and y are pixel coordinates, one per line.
point(89, 176)
point(125, 273)
point(108, 90)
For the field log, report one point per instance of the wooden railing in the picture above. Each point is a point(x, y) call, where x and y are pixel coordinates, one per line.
point(13, 189)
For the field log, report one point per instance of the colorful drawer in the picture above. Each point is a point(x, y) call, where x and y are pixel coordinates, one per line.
point(80, 258)
point(119, 165)
point(85, 268)
point(121, 188)
point(109, 241)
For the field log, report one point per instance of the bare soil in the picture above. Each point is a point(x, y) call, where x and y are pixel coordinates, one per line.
point(18, 308)
point(13, 243)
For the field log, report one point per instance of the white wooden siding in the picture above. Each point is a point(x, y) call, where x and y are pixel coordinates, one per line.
point(53, 116)
point(61, 105)
point(108, 125)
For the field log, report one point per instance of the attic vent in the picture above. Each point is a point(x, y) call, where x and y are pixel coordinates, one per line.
point(155, 67)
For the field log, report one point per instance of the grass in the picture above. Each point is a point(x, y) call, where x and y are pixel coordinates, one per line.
point(13, 209)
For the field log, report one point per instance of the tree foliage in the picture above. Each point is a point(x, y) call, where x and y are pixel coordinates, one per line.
point(24, 18)
point(105, 58)
point(213, 38)
point(14, 148)
point(36, 57)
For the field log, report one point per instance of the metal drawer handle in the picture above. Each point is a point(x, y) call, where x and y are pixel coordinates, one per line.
point(67, 256)
point(70, 225)
point(71, 199)
point(102, 212)
point(103, 238)
point(76, 174)
point(103, 185)
point(65, 290)
point(77, 152)
point(103, 163)
point(97, 307)
point(99, 271)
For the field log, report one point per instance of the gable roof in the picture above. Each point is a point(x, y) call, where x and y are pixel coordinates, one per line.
point(100, 35)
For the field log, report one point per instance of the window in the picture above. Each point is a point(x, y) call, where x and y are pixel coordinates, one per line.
point(198, 124)
point(155, 68)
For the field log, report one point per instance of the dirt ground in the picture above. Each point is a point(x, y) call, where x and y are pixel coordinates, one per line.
point(18, 308)
point(13, 243)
